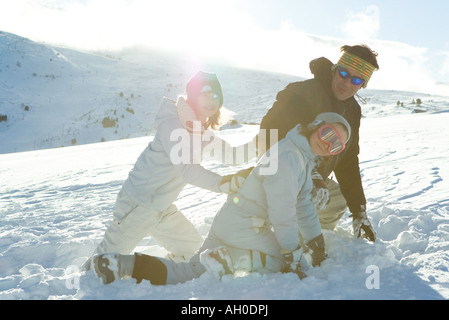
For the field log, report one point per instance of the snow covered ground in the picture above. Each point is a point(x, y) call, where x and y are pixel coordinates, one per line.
point(56, 203)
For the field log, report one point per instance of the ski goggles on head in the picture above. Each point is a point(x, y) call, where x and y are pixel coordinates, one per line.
point(329, 135)
point(354, 80)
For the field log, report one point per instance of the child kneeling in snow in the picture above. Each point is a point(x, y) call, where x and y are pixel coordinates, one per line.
point(144, 205)
point(259, 227)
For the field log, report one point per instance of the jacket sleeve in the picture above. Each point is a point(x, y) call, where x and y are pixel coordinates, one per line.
point(281, 189)
point(185, 154)
point(350, 180)
point(308, 221)
point(348, 176)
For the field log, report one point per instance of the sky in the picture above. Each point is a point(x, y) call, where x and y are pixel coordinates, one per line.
point(275, 35)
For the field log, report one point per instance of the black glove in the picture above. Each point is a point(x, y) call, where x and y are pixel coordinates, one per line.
point(316, 249)
point(320, 192)
point(362, 226)
point(294, 261)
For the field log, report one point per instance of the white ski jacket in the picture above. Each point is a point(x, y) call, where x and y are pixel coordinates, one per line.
point(173, 159)
point(269, 211)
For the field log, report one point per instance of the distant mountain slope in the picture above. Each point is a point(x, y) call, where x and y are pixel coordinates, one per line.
point(56, 97)
point(52, 97)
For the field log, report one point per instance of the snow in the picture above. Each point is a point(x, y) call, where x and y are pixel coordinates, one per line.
point(55, 203)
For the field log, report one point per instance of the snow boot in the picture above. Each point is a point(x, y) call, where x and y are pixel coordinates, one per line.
point(106, 267)
point(112, 266)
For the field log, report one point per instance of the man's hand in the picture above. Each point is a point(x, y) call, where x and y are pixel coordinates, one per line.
point(362, 226)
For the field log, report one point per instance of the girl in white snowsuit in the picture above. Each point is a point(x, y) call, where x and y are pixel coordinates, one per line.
point(260, 226)
point(144, 205)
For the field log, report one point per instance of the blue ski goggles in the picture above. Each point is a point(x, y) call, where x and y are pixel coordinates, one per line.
point(354, 80)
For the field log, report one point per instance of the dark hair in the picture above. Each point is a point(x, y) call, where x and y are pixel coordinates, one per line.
point(362, 51)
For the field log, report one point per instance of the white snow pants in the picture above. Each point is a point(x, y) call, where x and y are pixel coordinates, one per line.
point(131, 223)
point(242, 259)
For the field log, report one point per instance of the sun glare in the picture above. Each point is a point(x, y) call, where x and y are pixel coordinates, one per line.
point(209, 30)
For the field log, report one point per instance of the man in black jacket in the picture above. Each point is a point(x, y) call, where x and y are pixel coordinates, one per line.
point(331, 90)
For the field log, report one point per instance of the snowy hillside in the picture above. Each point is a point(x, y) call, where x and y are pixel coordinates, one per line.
point(56, 203)
point(55, 97)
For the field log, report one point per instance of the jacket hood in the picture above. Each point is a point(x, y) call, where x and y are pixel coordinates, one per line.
point(178, 111)
point(166, 111)
point(321, 69)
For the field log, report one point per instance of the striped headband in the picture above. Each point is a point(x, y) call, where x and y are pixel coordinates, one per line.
point(357, 64)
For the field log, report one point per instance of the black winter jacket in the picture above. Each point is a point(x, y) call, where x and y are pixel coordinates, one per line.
point(301, 102)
